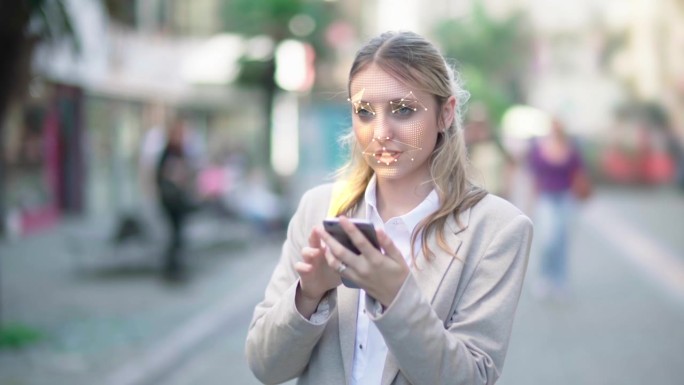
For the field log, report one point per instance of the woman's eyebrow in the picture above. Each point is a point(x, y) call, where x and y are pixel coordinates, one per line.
point(402, 100)
point(409, 100)
point(360, 104)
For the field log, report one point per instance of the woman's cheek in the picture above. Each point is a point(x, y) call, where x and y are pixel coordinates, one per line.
point(364, 134)
point(414, 135)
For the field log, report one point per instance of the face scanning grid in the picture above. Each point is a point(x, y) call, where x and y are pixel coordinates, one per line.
point(411, 131)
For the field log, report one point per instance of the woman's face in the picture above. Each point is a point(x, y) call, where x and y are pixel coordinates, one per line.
point(395, 125)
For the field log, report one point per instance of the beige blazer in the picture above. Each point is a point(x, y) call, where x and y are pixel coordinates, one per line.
point(449, 324)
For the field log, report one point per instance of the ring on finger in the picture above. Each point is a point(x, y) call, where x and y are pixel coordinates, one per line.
point(342, 267)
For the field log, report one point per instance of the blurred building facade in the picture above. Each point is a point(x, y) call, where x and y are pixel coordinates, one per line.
point(589, 55)
point(90, 111)
point(75, 146)
point(612, 70)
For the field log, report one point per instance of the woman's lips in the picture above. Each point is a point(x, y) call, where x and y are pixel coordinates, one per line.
point(387, 157)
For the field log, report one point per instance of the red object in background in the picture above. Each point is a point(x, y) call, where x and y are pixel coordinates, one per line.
point(55, 135)
point(657, 168)
point(617, 166)
point(648, 167)
point(39, 218)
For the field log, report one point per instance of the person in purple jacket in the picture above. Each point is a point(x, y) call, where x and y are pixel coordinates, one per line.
point(554, 160)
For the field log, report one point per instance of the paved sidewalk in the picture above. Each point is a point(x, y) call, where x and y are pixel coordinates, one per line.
point(620, 326)
point(621, 323)
point(658, 213)
point(97, 318)
point(121, 325)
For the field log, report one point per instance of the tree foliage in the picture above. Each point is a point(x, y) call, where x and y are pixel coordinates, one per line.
point(22, 26)
point(272, 18)
point(121, 11)
point(493, 56)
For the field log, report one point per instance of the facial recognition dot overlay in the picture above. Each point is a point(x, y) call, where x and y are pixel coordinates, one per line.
point(393, 124)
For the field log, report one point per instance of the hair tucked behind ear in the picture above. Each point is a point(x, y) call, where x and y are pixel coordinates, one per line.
point(413, 60)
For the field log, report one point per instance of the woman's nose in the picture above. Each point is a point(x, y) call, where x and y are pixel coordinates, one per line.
point(382, 130)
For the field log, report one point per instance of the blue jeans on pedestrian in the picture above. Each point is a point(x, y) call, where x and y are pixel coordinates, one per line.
point(553, 214)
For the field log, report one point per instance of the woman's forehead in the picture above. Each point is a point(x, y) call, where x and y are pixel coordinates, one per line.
point(376, 85)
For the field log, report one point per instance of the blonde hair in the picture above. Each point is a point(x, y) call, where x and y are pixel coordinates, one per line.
point(413, 60)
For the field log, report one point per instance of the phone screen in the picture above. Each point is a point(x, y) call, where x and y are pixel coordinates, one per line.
point(333, 227)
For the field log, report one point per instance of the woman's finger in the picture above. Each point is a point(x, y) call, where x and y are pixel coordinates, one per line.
point(358, 238)
point(341, 268)
point(314, 239)
point(309, 254)
point(390, 248)
point(335, 249)
point(303, 268)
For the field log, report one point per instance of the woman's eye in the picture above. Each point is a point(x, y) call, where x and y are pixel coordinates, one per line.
point(404, 108)
point(404, 111)
point(364, 113)
point(363, 109)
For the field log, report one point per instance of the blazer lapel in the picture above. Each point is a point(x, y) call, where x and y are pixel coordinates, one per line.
point(429, 276)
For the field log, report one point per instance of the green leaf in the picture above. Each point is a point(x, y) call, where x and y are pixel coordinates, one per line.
point(494, 54)
point(16, 336)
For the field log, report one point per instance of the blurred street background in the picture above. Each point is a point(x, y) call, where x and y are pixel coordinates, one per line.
point(89, 90)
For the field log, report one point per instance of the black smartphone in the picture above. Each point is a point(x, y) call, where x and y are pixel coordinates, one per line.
point(333, 227)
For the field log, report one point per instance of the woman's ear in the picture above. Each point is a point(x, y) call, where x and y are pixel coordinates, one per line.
point(448, 113)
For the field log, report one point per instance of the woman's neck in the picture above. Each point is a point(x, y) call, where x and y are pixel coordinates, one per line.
point(395, 198)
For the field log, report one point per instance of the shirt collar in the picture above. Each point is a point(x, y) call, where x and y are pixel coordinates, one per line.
point(411, 219)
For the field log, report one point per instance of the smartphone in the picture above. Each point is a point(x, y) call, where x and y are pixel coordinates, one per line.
point(333, 227)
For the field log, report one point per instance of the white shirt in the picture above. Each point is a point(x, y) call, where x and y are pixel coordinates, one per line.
point(370, 350)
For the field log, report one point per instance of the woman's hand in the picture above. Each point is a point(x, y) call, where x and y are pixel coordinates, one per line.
point(315, 276)
point(380, 275)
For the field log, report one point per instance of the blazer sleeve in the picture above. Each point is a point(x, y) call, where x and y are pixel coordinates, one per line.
point(279, 340)
point(471, 347)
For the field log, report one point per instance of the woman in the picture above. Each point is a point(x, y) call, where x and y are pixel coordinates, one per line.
point(554, 161)
point(437, 305)
point(174, 177)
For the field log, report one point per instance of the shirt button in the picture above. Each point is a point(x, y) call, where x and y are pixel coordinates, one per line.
point(361, 346)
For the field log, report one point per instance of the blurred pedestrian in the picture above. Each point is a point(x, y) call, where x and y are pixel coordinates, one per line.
point(492, 164)
point(175, 185)
point(555, 163)
point(151, 146)
point(436, 301)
